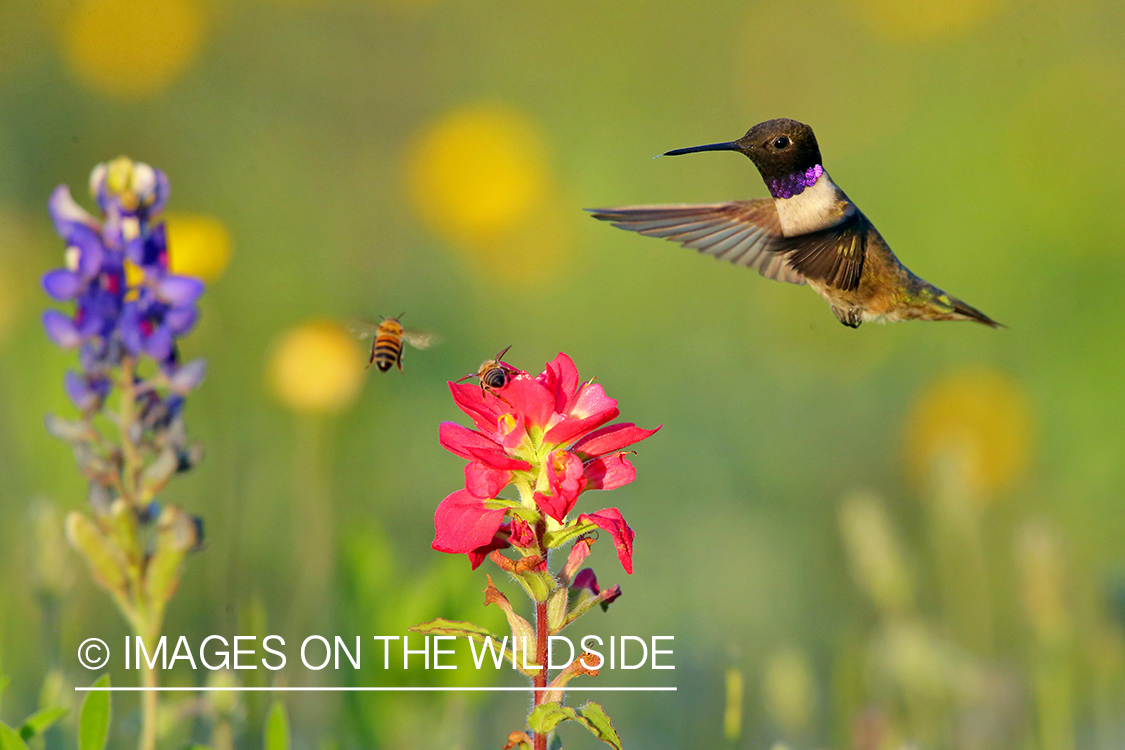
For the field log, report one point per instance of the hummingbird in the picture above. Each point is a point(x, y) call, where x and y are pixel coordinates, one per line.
point(807, 232)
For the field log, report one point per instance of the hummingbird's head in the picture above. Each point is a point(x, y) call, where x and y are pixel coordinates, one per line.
point(779, 149)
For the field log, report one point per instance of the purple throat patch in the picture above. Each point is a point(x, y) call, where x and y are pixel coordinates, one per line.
point(795, 184)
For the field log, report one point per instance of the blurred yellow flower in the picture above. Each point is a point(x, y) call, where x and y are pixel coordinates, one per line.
point(789, 689)
point(315, 368)
point(478, 177)
point(921, 21)
point(132, 50)
point(977, 420)
point(198, 245)
point(477, 170)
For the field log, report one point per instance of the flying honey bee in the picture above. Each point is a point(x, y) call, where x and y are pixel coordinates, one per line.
point(387, 339)
point(493, 375)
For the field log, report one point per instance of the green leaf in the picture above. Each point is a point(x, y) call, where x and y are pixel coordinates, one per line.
point(546, 716)
point(594, 718)
point(277, 728)
point(9, 740)
point(93, 722)
point(40, 721)
point(556, 742)
point(559, 537)
point(4, 683)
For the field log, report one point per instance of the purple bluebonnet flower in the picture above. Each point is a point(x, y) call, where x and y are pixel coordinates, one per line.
point(126, 303)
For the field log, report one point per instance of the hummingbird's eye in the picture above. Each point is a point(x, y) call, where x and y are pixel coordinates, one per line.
point(780, 142)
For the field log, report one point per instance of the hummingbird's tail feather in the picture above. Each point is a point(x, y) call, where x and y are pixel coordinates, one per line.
point(921, 300)
point(931, 303)
point(968, 312)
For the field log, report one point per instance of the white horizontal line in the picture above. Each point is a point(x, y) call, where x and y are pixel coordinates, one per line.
point(341, 689)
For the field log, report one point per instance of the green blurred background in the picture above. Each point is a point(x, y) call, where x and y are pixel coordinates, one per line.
point(909, 533)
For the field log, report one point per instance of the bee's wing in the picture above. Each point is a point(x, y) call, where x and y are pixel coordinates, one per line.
point(363, 329)
point(421, 339)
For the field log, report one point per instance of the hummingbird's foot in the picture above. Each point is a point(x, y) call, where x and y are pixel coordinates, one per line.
point(851, 317)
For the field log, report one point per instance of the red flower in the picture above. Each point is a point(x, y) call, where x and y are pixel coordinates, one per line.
point(549, 436)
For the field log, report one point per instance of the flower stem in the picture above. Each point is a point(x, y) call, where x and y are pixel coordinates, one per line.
point(540, 679)
point(147, 619)
point(149, 698)
point(148, 709)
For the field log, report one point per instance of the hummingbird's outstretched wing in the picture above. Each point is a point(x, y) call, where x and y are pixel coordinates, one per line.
point(747, 233)
point(833, 255)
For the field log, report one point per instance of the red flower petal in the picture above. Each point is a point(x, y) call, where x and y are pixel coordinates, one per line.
point(609, 472)
point(527, 398)
point(466, 443)
point(553, 505)
point(565, 474)
point(484, 482)
point(462, 524)
point(482, 410)
point(511, 431)
point(610, 520)
point(592, 400)
point(499, 541)
point(560, 377)
point(568, 428)
point(610, 439)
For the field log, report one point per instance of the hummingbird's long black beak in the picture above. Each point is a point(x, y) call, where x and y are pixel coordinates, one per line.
point(728, 146)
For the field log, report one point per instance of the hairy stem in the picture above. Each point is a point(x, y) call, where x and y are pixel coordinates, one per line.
point(540, 679)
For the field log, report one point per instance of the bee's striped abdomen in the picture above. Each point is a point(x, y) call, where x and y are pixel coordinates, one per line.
point(387, 349)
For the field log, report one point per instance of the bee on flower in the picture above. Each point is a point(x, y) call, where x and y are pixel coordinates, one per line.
point(493, 375)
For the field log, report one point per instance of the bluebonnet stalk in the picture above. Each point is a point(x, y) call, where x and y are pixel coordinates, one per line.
point(128, 314)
